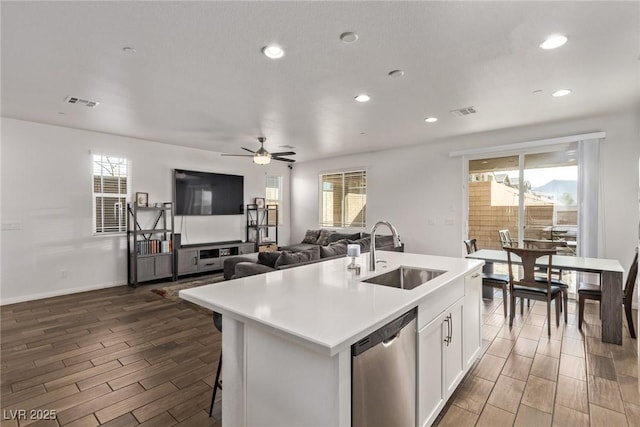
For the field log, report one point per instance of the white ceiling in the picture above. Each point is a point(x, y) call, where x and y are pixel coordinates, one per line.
point(198, 77)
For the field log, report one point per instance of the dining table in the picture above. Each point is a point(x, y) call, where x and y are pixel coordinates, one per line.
point(609, 270)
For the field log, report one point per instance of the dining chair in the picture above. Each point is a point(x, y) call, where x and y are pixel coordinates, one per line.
point(500, 281)
point(590, 291)
point(556, 273)
point(529, 286)
point(217, 322)
point(505, 238)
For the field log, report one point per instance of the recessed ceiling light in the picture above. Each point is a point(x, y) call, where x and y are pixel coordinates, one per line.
point(348, 37)
point(363, 98)
point(129, 49)
point(273, 51)
point(396, 73)
point(561, 92)
point(553, 41)
point(431, 119)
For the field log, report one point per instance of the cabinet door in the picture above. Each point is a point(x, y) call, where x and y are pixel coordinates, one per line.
point(431, 397)
point(453, 360)
point(472, 318)
point(187, 261)
point(146, 268)
point(163, 266)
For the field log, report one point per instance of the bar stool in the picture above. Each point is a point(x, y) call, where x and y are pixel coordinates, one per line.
point(217, 322)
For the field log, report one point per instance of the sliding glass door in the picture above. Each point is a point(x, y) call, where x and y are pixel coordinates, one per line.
point(550, 201)
point(534, 196)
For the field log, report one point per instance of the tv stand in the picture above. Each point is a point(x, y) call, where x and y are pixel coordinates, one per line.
point(203, 257)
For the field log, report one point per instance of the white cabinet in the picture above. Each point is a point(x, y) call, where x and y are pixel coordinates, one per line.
point(471, 319)
point(440, 361)
point(453, 369)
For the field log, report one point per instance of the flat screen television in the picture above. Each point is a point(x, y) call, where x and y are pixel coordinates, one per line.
point(206, 193)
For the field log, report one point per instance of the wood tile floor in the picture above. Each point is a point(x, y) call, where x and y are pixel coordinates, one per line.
point(113, 357)
point(127, 357)
point(525, 378)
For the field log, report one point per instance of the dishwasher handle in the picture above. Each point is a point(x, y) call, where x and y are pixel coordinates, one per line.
point(389, 341)
point(385, 335)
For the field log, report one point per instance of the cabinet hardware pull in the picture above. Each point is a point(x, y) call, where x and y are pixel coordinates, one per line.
point(475, 275)
point(447, 338)
point(450, 327)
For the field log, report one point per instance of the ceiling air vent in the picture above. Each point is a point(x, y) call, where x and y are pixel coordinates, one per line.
point(80, 101)
point(463, 111)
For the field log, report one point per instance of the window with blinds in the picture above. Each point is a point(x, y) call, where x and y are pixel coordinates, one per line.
point(343, 199)
point(273, 196)
point(110, 190)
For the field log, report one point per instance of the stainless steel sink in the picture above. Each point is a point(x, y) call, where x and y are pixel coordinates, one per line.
point(405, 277)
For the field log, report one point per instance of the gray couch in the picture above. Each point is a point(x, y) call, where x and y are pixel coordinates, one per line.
point(297, 255)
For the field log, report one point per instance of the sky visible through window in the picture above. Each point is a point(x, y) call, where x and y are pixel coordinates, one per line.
point(541, 176)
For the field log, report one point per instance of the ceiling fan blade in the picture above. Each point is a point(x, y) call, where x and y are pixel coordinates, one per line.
point(237, 155)
point(246, 149)
point(282, 159)
point(284, 153)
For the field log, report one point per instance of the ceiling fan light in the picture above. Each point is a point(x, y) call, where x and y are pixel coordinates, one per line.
point(261, 159)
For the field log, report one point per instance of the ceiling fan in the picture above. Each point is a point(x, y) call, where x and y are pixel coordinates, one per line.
point(262, 157)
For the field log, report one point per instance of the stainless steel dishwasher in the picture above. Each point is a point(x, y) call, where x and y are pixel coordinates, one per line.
point(383, 376)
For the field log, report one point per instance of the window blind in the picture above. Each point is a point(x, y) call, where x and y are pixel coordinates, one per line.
point(343, 199)
point(273, 196)
point(110, 190)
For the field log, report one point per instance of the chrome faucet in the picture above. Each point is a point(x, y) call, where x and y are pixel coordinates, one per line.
point(372, 251)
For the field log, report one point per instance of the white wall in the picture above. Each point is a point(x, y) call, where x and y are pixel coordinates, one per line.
point(420, 188)
point(47, 191)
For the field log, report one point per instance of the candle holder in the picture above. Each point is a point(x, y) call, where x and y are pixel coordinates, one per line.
point(353, 251)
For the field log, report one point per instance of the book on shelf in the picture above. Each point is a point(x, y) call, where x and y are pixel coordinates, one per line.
point(153, 246)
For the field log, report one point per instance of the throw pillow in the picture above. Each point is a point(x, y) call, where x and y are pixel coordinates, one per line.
point(323, 237)
point(342, 242)
point(268, 258)
point(311, 236)
point(334, 237)
point(287, 257)
point(384, 241)
point(365, 244)
point(332, 250)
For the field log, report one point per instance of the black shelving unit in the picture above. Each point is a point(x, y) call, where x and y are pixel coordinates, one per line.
point(262, 227)
point(150, 252)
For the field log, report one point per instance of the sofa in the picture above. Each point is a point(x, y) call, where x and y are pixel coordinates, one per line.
point(301, 254)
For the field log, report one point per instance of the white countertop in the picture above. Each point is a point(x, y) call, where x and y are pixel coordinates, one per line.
point(325, 306)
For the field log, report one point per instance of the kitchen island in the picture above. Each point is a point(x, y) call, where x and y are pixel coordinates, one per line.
point(288, 335)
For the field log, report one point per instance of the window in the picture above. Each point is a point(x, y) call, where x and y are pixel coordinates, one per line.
point(110, 189)
point(273, 196)
point(343, 199)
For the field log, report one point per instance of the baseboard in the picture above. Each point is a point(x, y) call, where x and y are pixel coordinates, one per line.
point(58, 293)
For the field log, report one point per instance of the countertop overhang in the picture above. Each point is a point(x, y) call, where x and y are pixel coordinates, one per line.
point(325, 306)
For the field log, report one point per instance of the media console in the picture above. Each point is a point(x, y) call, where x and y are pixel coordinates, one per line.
point(204, 257)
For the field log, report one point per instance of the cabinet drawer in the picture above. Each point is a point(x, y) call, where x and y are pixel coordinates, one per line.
point(206, 264)
point(437, 302)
